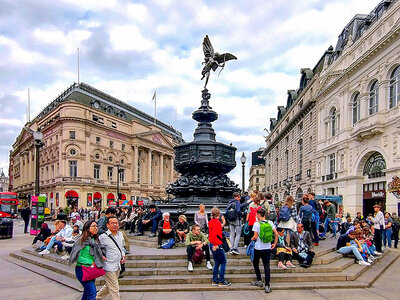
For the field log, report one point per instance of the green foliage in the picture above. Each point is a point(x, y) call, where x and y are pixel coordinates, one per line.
point(67, 210)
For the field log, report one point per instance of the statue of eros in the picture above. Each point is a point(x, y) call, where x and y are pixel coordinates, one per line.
point(213, 60)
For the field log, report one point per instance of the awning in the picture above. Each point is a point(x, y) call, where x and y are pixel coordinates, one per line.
point(337, 199)
point(110, 196)
point(97, 195)
point(71, 194)
point(123, 197)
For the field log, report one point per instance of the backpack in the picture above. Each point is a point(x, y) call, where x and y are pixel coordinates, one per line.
point(231, 214)
point(395, 225)
point(198, 256)
point(284, 214)
point(318, 207)
point(307, 216)
point(168, 244)
point(266, 234)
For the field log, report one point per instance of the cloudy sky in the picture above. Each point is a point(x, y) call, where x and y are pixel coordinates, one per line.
point(129, 49)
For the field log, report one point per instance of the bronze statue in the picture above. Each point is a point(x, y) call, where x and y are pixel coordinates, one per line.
point(213, 60)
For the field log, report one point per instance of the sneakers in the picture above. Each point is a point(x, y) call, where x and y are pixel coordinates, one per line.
point(209, 266)
point(257, 283)
point(224, 284)
point(369, 260)
point(45, 251)
point(372, 257)
point(290, 265)
point(235, 251)
point(267, 288)
point(316, 244)
point(304, 265)
point(281, 265)
point(190, 266)
point(65, 257)
point(378, 253)
point(363, 263)
point(214, 283)
point(152, 235)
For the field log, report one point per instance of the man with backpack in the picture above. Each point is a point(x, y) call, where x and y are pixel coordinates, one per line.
point(233, 215)
point(196, 240)
point(263, 236)
point(306, 213)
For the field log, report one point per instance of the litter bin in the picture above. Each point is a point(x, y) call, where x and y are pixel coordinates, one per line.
point(6, 228)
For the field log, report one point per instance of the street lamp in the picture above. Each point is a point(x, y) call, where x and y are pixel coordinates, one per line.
point(243, 161)
point(117, 185)
point(38, 136)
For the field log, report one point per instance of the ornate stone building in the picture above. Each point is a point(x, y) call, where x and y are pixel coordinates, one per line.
point(358, 114)
point(4, 181)
point(89, 139)
point(257, 171)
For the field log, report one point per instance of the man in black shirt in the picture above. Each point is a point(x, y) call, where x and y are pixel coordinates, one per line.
point(25, 215)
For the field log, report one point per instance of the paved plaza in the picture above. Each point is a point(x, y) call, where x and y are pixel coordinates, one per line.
point(19, 283)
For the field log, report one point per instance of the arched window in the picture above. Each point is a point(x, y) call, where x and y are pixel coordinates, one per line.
point(394, 88)
point(333, 121)
point(299, 194)
point(374, 166)
point(355, 105)
point(373, 98)
point(300, 157)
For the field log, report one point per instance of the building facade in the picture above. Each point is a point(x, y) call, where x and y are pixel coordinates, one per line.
point(89, 139)
point(290, 146)
point(257, 171)
point(358, 114)
point(4, 181)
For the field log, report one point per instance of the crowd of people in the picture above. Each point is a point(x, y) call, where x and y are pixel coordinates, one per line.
point(286, 232)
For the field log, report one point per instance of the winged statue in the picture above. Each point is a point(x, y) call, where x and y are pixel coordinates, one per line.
point(213, 60)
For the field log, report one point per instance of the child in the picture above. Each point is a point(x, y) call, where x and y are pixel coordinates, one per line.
point(335, 225)
point(283, 251)
point(215, 238)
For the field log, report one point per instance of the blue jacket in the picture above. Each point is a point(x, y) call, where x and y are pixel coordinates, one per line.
point(237, 207)
point(250, 250)
point(157, 215)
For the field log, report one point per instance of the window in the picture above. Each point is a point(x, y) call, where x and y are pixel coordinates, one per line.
point(394, 88)
point(373, 98)
point(122, 161)
point(72, 151)
point(300, 152)
point(257, 172)
point(113, 124)
point(98, 119)
point(355, 105)
point(333, 122)
point(72, 135)
point(300, 127)
point(97, 156)
point(332, 163)
point(52, 171)
point(123, 147)
point(257, 180)
point(287, 162)
point(311, 117)
point(110, 171)
point(97, 140)
point(111, 144)
point(110, 159)
point(96, 171)
point(73, 168)
point(122, 175)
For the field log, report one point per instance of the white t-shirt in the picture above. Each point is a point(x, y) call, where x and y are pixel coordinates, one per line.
point(260, 245)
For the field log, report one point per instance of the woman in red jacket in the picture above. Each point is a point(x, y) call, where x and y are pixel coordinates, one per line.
point(215, 238)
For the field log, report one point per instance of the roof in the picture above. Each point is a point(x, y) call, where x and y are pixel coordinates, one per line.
point(90, 96)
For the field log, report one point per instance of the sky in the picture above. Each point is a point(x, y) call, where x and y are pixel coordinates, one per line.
point(129, 49)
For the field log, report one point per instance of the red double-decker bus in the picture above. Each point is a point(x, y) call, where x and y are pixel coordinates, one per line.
point(8, 205)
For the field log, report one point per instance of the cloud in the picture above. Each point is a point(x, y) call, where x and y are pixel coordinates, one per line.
point(131, 49)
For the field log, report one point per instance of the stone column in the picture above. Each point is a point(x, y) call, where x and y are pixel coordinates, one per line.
point(31, 164)
point(135, 163)
point(161, 169)
point(149, 166)
point(171, 169)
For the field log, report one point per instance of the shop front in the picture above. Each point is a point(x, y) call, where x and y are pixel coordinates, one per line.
point(374, 193)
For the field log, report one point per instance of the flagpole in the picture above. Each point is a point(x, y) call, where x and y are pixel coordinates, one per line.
point(155, 106)
point(28, 113)
point(78, 66)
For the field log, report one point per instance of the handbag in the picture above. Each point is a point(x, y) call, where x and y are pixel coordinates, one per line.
point(92, 272)
point(116, 244)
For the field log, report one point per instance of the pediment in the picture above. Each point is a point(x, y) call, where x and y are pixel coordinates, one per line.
point(156, 137)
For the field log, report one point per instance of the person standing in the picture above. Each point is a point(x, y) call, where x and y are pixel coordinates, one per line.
point(113, 241)
point(387, 232)
point(330, 215)
point(379, 225)
point(288, 222)
point(87, 251)
point(233, 214)
point(251, 218)
point(395, 229)
point(201, 218)
point(306, 214)
point(215, 238)
point(25, 215)
point(264, 232)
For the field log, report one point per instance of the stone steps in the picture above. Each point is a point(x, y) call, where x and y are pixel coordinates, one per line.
point(167, 272)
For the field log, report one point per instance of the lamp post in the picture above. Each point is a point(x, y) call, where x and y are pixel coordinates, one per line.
point(243, 161)
point(38, 136)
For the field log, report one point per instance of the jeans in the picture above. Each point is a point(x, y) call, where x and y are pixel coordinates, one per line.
point(378, 239)
point(265, 256)
point(308, 260)
point(287, 231)
point(219, 265)
point(153, 224)
point(327, 222)
point(351, 249)
point(54, 242)
point(190, 251)
point(315, 228)
point(26, 221)
point(396, 238)
point(234, 236)
point(387, 235)
point(89, 287)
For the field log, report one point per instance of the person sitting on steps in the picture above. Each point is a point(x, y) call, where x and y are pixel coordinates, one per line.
point(166, 229)
point(196, 239)
point(344, 247)
point(302, 246)
point(150, 219)
point(182, 229)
